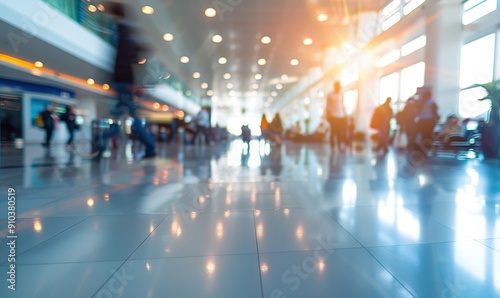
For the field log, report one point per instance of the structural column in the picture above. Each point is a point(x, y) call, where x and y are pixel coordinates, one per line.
point(442, 53)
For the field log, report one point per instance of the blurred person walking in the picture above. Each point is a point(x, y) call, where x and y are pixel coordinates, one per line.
point(381, 121)
point(70, 118)
point(427, 117)
point(202, 125)
point(127, 56)
point(49, 123)
point(276, 129)
point(336, 116)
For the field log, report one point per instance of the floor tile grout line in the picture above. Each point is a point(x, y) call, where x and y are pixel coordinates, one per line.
point(258, 255)
point(50, 238)
point(128, 258)
point(388, 271)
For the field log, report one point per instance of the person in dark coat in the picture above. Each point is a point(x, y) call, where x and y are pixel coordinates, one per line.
point(70, 118)
point(382, 122)
point(48, 124)
point(127, 55)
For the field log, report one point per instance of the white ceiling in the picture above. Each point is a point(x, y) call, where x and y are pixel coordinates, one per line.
point(242, 24)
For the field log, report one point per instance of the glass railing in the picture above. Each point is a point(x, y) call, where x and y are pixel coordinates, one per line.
point(90, 15)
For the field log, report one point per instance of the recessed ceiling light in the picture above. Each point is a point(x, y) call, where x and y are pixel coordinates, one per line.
point(38, 64)
point(156, 105)
point(229, 85)
point(147, 10)
point(204, 85)
point(168, 37)
point(184, 59)
point(101, 7)
point(90, 81)
point(210, 12)
point(258, 76)
point(196, 75)
point(255, 86)
point(217, 38)
point(274, 93)
point(308, 41)
point(262, 61)
point(294, 62)
point(105, 86)
point(164, 108)
point(279, 86)
point(227, 76)
point(210, 92)
point(222, 60)
point(92, 8)
point(284, 77)
point(265, 40)
point(142, 61)
point(322, 17)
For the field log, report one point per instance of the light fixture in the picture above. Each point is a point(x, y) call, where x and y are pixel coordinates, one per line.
point(210, 12)
point(210, 92)
point(204, 85)
point(255, 86)
point(274, 93)
point(284, 77)
point(101, 7)
point(90, 81)
point(196, 75)
point(188, 93)
point(217, 38)
point(279, 86)
point(164, 108)
point(262, 61)
point(142, 61)
point(227, 76)
point(229, 86)
point(92, 8)
point(265, 40)
point(258, 77)
point(323, 17)
point(168, 37)
point(105, 86)
point(156, 106)
point(294, 62)
point(184, 59)
point(222, 60)
point(147, 10)
point(38, 64)
point(308, 41)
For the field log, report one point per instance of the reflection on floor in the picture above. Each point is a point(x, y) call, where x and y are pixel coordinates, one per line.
point(228, 221)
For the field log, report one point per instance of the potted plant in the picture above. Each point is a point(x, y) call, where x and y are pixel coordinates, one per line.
point(491, 131)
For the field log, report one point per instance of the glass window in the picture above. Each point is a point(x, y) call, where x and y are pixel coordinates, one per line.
point(391, 8)
point(391, 21)
point(477, 66)
point(389, 58)
point(412, 77)
point(474, 10)
point(350, 101)
point(414, 45)
point(389, 87)
point(411, 6)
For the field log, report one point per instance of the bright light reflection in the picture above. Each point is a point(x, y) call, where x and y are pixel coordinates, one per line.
point(220, 230)
point(90, 202)
point(349, 191)
point(264, 268)
point(37, 225)
point(260, 230)
point(210, 267)
point(148, 266)
point(321, 265)
point(299, 232)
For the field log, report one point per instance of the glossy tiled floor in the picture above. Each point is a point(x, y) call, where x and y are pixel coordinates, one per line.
point(295, 221)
